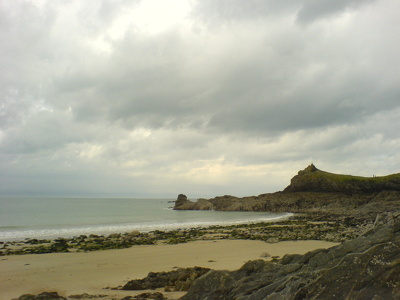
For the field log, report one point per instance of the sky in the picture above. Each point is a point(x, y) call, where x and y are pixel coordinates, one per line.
point(153, 98)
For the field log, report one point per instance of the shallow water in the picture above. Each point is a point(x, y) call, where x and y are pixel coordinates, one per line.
point(26, 217)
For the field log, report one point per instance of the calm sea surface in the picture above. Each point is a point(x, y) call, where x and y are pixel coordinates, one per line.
point(22, 218)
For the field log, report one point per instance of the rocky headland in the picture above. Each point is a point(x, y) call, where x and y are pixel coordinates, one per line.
point(313, 191)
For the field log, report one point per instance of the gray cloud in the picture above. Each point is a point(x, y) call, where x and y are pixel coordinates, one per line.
point(222, 10)
point(313, 9)
point(306, 11)
point(234, 98)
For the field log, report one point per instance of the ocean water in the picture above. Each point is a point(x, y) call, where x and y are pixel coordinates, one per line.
point(26, 217)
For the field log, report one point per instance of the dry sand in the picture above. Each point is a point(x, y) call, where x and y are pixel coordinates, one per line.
point(77, 273)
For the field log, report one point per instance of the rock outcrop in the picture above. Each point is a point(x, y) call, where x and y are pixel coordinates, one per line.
point(42, 296)
point(176, 280)
point(147, 296)
point(367, 267)
point(182, 203)
point(181, 200)
point(313, 190)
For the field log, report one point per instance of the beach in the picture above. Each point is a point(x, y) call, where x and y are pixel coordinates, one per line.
point(96, 272)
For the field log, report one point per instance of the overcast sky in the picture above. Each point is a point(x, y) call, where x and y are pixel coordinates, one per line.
point(201, 97)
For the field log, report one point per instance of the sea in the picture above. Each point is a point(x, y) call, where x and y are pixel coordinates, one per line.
point(52, 217)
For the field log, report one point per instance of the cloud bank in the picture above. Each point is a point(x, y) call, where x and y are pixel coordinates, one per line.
point(156, 98)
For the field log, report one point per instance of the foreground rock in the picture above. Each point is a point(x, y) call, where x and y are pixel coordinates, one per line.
point(314, 191)
point(42, 296)
point(85, 296)
point(367, 267)
point(147, 296)
point(177, 280)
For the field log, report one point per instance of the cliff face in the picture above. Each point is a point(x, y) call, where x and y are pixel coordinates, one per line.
point(313, 190)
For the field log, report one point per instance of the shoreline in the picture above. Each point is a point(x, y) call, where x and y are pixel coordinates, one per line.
point(293, 227)
point(297, 227)
point(68, 233)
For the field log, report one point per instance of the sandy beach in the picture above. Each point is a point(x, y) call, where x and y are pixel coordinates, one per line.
point(92, 272)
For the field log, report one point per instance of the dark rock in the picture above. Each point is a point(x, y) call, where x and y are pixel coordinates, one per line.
point(86, 296)
point(145, 296)
point(213, 285)
point(367, 267)
point(42, 296)
point(59, 246)
point(181, 200)
point(181, 279)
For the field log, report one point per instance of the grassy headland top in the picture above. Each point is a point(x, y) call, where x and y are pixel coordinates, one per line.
point(312, 179)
